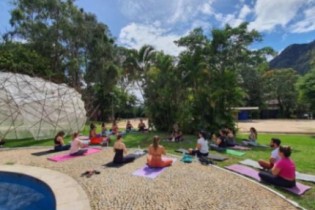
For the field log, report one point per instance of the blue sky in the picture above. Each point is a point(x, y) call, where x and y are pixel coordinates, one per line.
point(159, 22)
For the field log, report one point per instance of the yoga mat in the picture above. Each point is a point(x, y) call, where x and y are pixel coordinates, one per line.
point(151, 173)
point(136, 154)
point(182, 151)
point(234, 152)
point(45, 152)
point(299, 189)
point(305, 177)
point(217, 157)
point(252, 163)
point(238, 147)
point(64, 157)
point(299, 176)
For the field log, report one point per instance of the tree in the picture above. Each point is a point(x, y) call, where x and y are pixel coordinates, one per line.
point(18, 57)
point(279, 84)
point(306, 88)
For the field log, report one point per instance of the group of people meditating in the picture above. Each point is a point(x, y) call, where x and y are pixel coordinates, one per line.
point(155, 150)
point(226, 138)
point(278, 170)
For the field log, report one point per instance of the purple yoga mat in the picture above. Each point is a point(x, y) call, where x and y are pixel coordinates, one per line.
point(148, 172)
point(299, 189)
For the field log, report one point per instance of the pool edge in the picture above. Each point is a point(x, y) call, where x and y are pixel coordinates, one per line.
point(67, 191)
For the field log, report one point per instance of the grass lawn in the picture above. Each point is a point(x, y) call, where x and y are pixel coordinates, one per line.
point(303, 153)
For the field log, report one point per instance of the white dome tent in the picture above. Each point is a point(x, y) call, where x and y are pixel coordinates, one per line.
point(32, 107)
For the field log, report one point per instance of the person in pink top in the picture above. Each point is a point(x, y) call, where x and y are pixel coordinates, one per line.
point(283, 172)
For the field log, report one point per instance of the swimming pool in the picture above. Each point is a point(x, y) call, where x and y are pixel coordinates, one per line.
point(19, 191)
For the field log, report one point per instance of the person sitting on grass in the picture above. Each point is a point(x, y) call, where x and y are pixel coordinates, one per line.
point(104, 130)
point(252, 138)
point(177, 134)
point(142, 126)
point(230, 138)
point(93, 133)
point(129, 126)
point(114, 128)
point(155, 152)
point(120, 149)
point(283, 172)
point(220, 141)
point(59, 142)
point(202, 148)
point(77, 147)
point(275, 144)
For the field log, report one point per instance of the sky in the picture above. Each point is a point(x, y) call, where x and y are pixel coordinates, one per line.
point(160, 22)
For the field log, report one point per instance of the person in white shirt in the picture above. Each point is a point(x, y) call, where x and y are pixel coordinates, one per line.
point(77, 147)
point(202, 148)
point(275, 144)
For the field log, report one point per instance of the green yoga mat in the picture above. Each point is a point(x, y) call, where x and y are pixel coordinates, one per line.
point(234, 152)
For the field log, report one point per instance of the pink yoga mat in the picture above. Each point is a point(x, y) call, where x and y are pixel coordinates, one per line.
point(64, 157)
point(151, 173)
point(299, 189)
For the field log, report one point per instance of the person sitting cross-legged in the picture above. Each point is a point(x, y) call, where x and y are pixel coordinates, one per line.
point(77, 147)
point(155, 155)
point(120, 149)
point(283, 172)
point(275, 144)
point(177, 134)
point(142, 126)
point(202, 148)
point(129, 126)
point(59, 142)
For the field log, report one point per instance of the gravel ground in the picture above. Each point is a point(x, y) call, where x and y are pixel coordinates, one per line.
point(182, 186)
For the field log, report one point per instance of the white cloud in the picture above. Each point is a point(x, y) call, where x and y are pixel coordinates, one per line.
point(166, 11)
point(244, 12)
point(271, 13)
point(136, 35)
point(307, 24)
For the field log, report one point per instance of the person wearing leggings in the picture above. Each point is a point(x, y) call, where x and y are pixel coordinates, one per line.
point(120, 149)
point(283, 172)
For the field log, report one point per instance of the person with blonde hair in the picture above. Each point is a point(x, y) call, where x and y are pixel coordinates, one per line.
point(155, 152)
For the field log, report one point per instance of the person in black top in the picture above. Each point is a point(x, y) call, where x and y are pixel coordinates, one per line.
point(59, 142)
point(120, 149)
point(142, 126)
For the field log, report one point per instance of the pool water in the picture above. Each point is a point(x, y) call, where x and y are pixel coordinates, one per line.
point(22, 192)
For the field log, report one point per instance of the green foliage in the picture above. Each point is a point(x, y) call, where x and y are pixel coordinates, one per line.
point(279, 85)
point(18, 57)
point(306, 87)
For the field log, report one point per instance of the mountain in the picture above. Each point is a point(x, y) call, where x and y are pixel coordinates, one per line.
point(296, 56)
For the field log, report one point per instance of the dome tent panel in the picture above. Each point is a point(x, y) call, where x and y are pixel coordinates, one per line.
point(43, 107)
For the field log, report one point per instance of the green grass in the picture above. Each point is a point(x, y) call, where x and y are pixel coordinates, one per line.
point(303, 153)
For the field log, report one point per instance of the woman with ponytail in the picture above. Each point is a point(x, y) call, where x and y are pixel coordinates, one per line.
point(156, 151)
